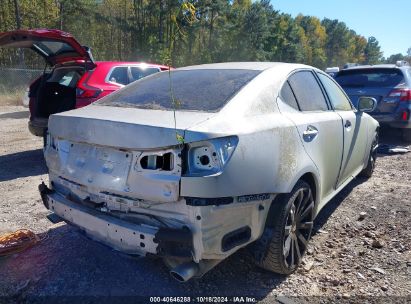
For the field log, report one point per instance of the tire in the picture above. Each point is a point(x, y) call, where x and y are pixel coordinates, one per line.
point(288, 228)
point(406, 135)
point(45, 138)
point(369, 170)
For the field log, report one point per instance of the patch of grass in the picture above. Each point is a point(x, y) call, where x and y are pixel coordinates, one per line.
point(12, 97)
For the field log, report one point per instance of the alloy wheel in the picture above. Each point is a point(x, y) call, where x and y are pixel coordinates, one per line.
point(298, 228)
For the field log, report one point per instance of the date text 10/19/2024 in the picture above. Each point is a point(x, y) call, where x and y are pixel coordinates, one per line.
point(239, 299)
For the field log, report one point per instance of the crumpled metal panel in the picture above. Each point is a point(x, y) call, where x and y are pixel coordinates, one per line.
point(155, 185)
point(121, 235)
point(114, 171)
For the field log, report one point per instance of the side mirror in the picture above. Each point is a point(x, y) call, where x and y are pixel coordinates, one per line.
point(367, 104)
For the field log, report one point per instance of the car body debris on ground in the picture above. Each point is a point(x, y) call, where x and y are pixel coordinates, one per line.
point(362, 244)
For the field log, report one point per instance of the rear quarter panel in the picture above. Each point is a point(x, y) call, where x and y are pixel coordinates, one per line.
point(268, 159)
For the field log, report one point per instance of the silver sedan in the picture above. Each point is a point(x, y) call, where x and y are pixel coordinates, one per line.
point(195, 163)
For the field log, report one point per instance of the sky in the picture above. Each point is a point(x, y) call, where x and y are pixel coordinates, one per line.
point(388, 21)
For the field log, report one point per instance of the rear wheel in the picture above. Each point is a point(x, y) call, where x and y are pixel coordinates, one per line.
point(368, 171)
point(45, 137)
point(287, 231)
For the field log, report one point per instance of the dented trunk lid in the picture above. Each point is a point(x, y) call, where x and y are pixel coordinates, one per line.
point(97, 152)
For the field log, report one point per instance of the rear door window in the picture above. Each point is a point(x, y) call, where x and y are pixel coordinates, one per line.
point(119, 75)
point(288, 97)
point(376, 77)
point(307, 91)
point(140, 72)
point(337, 97)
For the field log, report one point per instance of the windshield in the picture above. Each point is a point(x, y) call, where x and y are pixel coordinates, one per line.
point(193, 90)
point(370, 78)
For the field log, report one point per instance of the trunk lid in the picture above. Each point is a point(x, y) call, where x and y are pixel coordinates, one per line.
point(54, 46)
point(127, 128)
point(101, 150)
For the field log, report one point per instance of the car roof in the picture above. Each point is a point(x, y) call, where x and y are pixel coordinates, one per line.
point(377, 66)
point(257, 66)
point(114, 63)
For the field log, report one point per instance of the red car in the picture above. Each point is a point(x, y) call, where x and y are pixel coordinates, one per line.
point(75, 80)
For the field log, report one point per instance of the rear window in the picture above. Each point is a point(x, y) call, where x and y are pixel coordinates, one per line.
point(193, 90)
point(51, 48)
point(370, 78)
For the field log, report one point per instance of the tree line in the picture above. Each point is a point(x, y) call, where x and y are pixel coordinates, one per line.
point(190, 32)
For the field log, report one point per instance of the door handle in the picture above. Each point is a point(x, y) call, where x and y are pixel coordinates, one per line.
point(347, 124)
point(310, 133)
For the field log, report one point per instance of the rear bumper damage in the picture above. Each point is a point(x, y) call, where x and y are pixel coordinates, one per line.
point(119, 234)
point(139, 201)
point(206, 235)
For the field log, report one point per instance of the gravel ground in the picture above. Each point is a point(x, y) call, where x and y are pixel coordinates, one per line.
point(350, 255)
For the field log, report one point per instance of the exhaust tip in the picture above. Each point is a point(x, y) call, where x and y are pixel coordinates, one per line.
point(177, 276)
point(184, 272)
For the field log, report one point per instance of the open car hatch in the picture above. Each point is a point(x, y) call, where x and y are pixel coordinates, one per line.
point(54, 46)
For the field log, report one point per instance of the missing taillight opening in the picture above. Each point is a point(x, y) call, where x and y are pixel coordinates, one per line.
point(157, 162)
point(204, 160)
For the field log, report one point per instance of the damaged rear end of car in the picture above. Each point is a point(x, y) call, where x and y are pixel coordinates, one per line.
point(130, 197)
point(123, 175)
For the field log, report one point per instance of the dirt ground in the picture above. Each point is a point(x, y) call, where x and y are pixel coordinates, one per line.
point(349, 259)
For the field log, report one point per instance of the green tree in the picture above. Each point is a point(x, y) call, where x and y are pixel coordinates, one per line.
point(186, 32)
point(395, 57)
point(356, 49)
point(315, 38)
point(338, 42)
point(372, 52)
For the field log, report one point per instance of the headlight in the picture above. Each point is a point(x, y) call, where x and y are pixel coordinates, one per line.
point(207, 158)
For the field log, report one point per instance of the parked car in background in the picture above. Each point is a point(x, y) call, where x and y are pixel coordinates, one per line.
point(249, 155)
point(75, 80)
point(389, 84)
